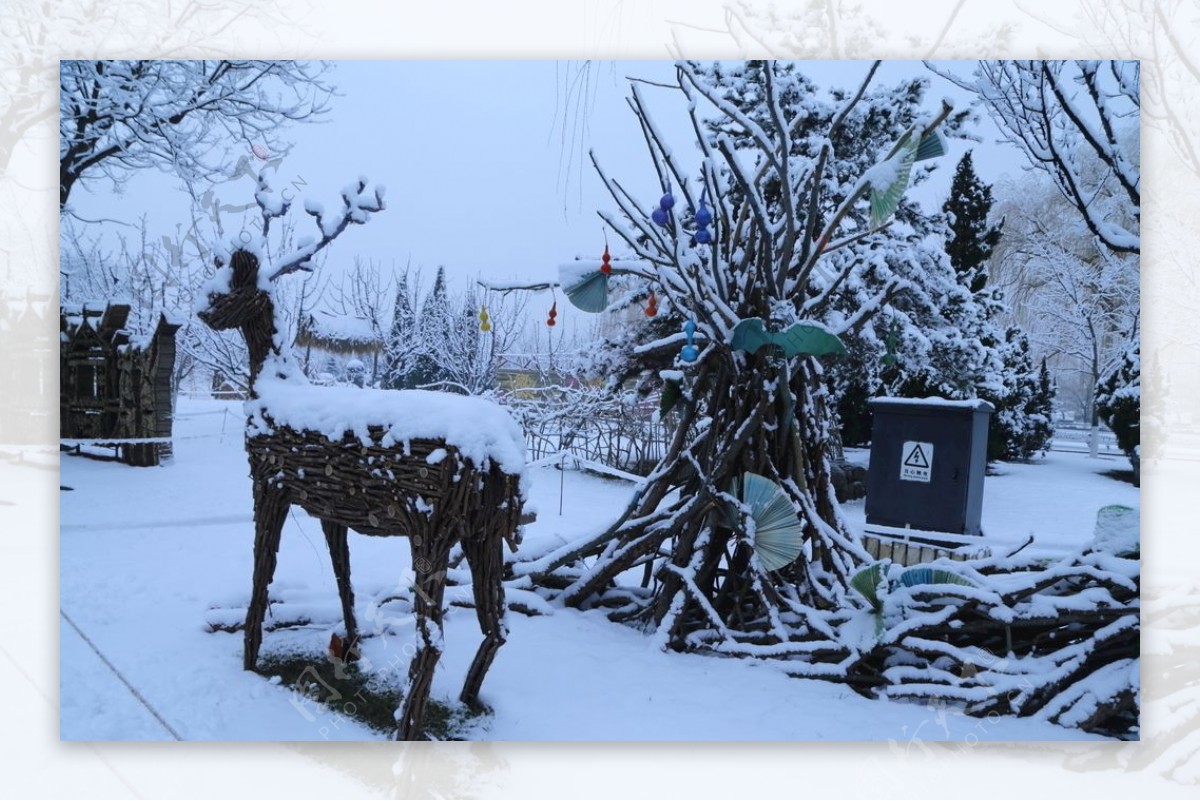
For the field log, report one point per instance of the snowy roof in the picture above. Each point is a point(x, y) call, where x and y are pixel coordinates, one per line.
point(480, 429)
point(338, 333)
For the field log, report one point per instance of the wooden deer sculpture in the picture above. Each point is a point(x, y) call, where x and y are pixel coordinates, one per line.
point(437, 468)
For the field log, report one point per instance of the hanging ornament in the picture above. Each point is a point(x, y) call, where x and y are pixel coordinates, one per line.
point(605, 261)
point(665, 204)
point(704, 219)
point(485, 322)
point(651, 305)
point(553, 313)
point(689, 352)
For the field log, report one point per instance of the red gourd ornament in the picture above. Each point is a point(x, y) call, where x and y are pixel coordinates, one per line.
point(553, 313)
point(605, 266)
point(652, 305)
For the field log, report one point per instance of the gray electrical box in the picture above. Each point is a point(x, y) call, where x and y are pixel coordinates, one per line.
point(928, 459)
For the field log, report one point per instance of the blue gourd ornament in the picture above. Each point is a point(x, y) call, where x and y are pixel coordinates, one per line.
point(689, 352)
point(703, 215)
point(703, 237)
point(667, 202)
point(659, 216)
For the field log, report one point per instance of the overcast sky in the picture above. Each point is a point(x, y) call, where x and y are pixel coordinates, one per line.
point(485, 162)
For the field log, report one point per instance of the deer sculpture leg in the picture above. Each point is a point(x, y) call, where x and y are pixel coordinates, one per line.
point(486, 558)
point(339, 553)
point(431, 554)
point(270, 509)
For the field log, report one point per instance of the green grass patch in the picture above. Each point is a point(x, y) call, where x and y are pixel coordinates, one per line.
point(354, 693)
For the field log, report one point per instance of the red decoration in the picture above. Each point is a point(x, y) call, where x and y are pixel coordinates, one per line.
point(651, 305)
point(553, 313)
point(606, 268)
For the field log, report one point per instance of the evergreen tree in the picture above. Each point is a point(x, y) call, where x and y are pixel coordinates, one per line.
point(973, 240)
point(1024, 397)
point(400, 349)
point(1119, 400)
point(433, 334)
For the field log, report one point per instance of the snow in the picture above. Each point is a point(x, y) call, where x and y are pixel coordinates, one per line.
point(1055, 499)
point(480, 429)
point(154, 559)
point(976, 404)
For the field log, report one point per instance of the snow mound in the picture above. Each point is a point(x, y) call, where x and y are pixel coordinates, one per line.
point(1117, 530)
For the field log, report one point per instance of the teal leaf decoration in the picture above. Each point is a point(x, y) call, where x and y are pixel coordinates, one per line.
point(750, 335)
point(802, 338)
point(932, 145)
point(866, 582)
point(886, 199)
point(590, 293)
point(916, 576)
point(672, 392)
point(778, 535)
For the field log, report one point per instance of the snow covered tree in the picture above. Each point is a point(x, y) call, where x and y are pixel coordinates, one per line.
point(402, 345)
point(433, 324)
point(1077, 122)
point(1021, 426)
point(178, 116)
point(1118, 402)
point(967, 210)
point(944, 340)
point(785, 237)
point(1077, 299)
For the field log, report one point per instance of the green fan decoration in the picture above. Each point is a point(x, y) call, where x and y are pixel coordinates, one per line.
point(886, 199)
point(802, 338)
point(866, 581)
point(932, 145)
point(915, 576)
point(588, 292)
point(778, 535)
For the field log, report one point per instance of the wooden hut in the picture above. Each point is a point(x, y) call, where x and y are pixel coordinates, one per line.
point(115, 385)
point(343, 337)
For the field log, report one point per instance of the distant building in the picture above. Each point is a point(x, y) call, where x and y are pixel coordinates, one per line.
point(353, 343)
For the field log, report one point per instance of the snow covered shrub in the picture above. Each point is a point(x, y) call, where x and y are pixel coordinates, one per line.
point(1119, 400)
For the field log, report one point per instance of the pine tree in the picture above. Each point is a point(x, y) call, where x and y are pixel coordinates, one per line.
point(973, 240)
point(433, 334)
point(400, 350)
point(1024, 397)
point(1119, 400)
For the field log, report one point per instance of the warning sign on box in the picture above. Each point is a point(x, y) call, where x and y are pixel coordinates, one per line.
point(916, 461)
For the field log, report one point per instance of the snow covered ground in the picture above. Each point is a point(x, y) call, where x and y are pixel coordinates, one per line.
point(152, 557)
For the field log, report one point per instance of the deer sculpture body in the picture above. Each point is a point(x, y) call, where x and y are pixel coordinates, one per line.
point(439, 469)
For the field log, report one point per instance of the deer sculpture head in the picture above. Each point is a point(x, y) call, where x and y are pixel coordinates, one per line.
point(239, 295)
